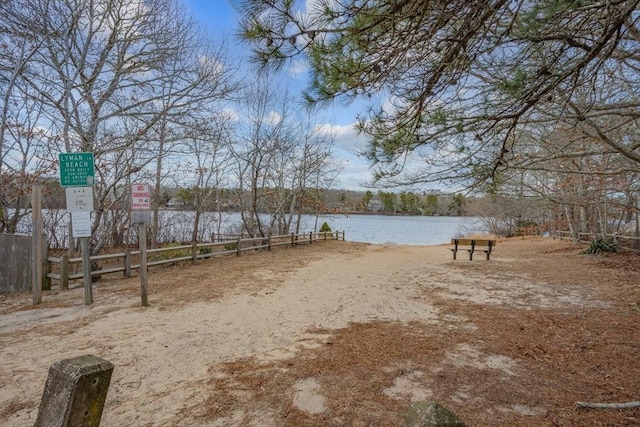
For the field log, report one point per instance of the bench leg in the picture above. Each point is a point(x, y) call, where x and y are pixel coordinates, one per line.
point(454, 253)
point(471, 255)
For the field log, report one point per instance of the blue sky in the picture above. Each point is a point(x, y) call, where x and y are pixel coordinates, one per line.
point(219, 18)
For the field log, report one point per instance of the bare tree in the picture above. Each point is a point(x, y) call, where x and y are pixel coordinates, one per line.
point(197, 83)
point(587, 181)
point(262, 141)
point(313, 171)
point(24, 137)
point(207, 148)
point(280, 155)
point(101, 77)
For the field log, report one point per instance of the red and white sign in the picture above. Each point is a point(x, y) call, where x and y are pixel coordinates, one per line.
point(140, 197)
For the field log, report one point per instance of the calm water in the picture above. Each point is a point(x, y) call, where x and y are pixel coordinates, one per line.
point(409, 230)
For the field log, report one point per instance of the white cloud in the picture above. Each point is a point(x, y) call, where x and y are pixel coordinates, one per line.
point(346, 137)
point(231, 113)
point(298, 68)
point(212, 65)
point(347, 144)
point(273, 118)
point(355, 175)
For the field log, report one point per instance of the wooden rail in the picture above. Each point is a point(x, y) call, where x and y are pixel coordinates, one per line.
point(192, 253)
point(558, 234)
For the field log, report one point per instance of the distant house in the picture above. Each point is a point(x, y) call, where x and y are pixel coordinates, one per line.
point(175, 202)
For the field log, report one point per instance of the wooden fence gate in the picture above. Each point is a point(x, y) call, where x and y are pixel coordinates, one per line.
point(15, 264)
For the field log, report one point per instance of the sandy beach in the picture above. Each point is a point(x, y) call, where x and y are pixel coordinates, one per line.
point(341, 333)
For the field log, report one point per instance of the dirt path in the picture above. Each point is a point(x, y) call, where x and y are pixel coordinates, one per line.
point(344, 334)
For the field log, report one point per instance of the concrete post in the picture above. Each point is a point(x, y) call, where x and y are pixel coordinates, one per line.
point(75, 392)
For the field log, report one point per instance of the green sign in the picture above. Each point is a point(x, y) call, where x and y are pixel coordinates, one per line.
point(76, 169)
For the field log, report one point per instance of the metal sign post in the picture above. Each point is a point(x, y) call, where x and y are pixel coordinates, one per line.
point(140, 209)
point(142, 242)
point(77, 172)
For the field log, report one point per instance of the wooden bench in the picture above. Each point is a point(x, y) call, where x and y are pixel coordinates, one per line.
point(472, 245)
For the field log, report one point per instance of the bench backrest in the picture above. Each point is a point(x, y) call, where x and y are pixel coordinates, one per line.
point(470, 242)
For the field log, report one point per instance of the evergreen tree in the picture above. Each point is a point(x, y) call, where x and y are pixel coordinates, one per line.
point(461, 78)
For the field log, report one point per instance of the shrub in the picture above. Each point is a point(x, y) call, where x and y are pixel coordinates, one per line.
point(601, 245)
point(324, 228)
point(231, 246)
point(165, 255)
point(526, 228)
point(205, 250)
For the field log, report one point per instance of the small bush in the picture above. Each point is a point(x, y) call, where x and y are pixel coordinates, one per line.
point(231, 246)
point(324, 228)
point(526, 228)
point(166, 255)
point(601, 245)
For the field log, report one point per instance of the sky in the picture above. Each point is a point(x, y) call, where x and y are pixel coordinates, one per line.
point(219, 19)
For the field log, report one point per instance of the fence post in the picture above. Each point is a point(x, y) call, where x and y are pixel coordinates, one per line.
point(269, 243)
point(194, 253)
point(127, 263)
point(46, 265)
point(86, 271)
point(238, 246)
point(36, 243)
point(75, 392)
point(293, 242)
point(310, 237)
point(64, 272)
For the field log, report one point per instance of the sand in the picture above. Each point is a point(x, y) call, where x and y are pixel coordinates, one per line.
point(246, 340)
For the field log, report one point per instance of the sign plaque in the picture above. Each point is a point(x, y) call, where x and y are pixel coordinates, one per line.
point(81, 224)
point(76, 169)
point(79, 199)
point(140, 197)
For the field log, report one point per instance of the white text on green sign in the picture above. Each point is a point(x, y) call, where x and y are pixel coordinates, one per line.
point(76, 169)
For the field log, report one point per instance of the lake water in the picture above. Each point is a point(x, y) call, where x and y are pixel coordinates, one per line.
point(407, 230)
point(382, 229)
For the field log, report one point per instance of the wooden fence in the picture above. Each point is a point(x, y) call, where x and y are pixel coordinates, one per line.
point(628, 241)
point(173, 254)
point(16, 272)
